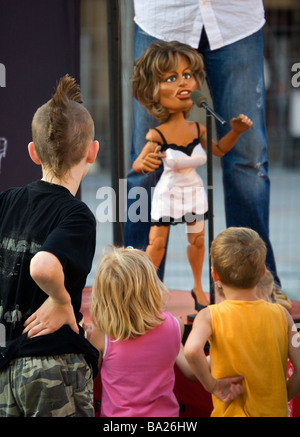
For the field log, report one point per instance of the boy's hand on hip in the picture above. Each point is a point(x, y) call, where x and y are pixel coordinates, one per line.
point(50, 317)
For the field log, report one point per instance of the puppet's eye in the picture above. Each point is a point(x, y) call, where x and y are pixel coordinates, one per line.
point(172, 78)
point(187, 75)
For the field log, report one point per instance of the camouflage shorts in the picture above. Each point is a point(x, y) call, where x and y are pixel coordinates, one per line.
point(54, 386)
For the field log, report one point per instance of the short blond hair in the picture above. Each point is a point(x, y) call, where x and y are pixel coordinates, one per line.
point(127, 295)
point(159, 58)
point(238, 257)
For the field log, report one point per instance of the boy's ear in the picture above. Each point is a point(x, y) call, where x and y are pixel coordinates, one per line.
point(33, 154)
point(92, 151)
point(214, 274)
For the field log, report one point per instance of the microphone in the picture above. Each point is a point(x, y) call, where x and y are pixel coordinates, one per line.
point(200, 100)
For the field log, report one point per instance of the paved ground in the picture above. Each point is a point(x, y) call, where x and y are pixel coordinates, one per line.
point(284, 230)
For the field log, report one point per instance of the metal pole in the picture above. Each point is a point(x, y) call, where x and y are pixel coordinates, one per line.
point(115, 109)
point(210, 198)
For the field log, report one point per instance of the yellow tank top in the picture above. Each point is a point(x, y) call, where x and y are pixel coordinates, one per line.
point(251, 339)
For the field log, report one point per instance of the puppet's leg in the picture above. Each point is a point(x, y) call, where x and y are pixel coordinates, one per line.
point(157, 243)
point(195, 253)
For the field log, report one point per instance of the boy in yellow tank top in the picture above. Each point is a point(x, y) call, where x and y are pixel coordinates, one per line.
point(250, 339)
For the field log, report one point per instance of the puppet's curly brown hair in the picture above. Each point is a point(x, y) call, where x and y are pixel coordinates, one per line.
point(159, 58)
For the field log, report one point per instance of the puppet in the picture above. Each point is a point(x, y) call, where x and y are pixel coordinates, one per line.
point(163, 80)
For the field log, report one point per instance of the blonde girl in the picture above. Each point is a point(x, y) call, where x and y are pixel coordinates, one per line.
point(138, 341)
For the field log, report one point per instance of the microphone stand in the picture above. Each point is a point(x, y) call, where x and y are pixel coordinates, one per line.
point(209, 114)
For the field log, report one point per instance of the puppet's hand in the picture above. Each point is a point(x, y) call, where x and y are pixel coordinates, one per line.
point(241, 123)
point(152, 160)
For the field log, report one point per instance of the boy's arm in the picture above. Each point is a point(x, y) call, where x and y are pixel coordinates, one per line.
point(194, 349)
point(46, 270)
point(226, 389)
point(293, 383)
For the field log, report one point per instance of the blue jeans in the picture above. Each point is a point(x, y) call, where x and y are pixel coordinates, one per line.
point(235, 78)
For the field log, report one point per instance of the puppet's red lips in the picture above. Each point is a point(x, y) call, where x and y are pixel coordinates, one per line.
point(184, 94)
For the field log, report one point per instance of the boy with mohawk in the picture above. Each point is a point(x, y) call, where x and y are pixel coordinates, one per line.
point(47, 244)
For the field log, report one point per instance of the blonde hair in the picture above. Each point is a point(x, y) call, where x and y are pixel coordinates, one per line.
point(266, 286)
point(127, 295)
point(158, 59)
point(62, 129)
point(267, 290)
point(238, 256)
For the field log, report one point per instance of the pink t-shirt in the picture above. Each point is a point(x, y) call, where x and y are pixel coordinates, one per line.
point(138, 374)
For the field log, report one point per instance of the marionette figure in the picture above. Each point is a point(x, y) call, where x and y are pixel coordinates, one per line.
point(163, 80)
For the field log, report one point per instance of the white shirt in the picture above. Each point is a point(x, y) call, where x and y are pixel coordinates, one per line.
point(225, 21)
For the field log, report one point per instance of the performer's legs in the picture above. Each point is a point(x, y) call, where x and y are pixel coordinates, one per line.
point(195, 253)
point(157, 243)
point(236, 81)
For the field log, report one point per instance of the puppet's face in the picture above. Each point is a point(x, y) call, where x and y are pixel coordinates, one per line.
point(176, 88)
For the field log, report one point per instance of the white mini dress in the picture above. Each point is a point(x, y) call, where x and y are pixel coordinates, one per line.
point(179, 195)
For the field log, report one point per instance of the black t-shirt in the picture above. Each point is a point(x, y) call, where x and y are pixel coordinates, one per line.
point(42, 217)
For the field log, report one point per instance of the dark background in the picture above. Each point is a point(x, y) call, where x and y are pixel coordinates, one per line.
point(39, 43)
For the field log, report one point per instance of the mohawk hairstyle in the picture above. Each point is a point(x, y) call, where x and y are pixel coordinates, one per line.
point(62, 128)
